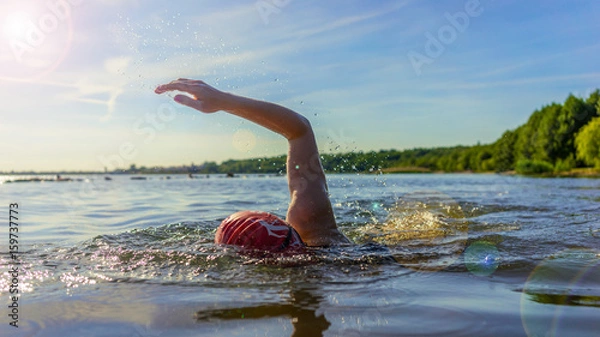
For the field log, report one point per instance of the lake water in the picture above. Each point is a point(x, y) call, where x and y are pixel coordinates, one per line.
point(436, 255)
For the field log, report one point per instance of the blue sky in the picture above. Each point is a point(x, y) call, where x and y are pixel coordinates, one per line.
point(77, 77)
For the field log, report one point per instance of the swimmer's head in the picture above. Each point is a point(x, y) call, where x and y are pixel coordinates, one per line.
point(258, 231)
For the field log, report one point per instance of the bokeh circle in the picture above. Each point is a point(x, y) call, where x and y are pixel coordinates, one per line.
point(562, 292)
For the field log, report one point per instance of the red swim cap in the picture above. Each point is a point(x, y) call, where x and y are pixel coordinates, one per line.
point(258, 230)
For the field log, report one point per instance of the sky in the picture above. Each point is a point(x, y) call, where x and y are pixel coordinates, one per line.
point(77, 77)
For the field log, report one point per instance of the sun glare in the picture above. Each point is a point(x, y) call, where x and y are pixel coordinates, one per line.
point(36, 37)
point(15, 25)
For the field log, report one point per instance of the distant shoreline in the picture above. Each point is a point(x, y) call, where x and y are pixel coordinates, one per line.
point(573, 173)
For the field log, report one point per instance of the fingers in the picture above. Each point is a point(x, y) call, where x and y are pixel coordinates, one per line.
point(174, 86)
point(187, 81)
point(197, 89)
point(188, 101)
point(182, 84)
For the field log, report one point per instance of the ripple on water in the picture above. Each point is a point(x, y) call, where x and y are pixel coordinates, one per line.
point(569, 282)
point(184, 254)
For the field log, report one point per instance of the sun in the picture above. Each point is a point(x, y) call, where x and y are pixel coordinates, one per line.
point(15, 25)
point(35, 37)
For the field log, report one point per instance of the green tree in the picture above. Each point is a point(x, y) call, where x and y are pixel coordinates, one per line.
point(485, 159)
point(527, 137)
point(575, 114)
point(533, 167)
point(588, 143)
point(504, 151)
point(546, 146)
point(209, 167)
point(549, 134)
point(594, 100)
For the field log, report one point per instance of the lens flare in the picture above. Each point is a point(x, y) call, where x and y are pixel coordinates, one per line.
point(36, 38)
point(482, 258)
point(244, 140)
point(558, 284)
point(15, 25)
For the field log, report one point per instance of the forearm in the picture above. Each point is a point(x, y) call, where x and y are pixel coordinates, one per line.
point(207, 99)
point(274, 117)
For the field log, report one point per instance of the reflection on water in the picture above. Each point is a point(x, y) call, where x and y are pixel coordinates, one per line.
point(566, 279)
point(302, 309)
point(566, 299)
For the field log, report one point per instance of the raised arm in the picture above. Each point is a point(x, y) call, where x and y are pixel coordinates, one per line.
point(310, 211)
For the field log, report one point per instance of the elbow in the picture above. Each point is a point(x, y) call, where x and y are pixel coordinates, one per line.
point(301, 128)
point(304, 125)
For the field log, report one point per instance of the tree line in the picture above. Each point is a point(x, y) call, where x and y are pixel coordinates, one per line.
point(556, 138)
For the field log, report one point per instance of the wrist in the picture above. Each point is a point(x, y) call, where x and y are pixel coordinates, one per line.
point(230, 102)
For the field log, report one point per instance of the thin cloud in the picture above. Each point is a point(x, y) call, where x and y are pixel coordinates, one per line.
point(349, 20)
point(99, 83)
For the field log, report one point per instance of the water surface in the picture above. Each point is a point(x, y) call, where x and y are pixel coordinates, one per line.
point(435, 255)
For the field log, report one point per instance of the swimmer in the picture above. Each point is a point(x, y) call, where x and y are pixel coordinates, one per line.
point(310, 215)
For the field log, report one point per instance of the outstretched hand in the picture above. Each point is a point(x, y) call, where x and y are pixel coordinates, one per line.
point(204, 97)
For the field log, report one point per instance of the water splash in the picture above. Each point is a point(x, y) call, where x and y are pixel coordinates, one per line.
point(426, 230)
